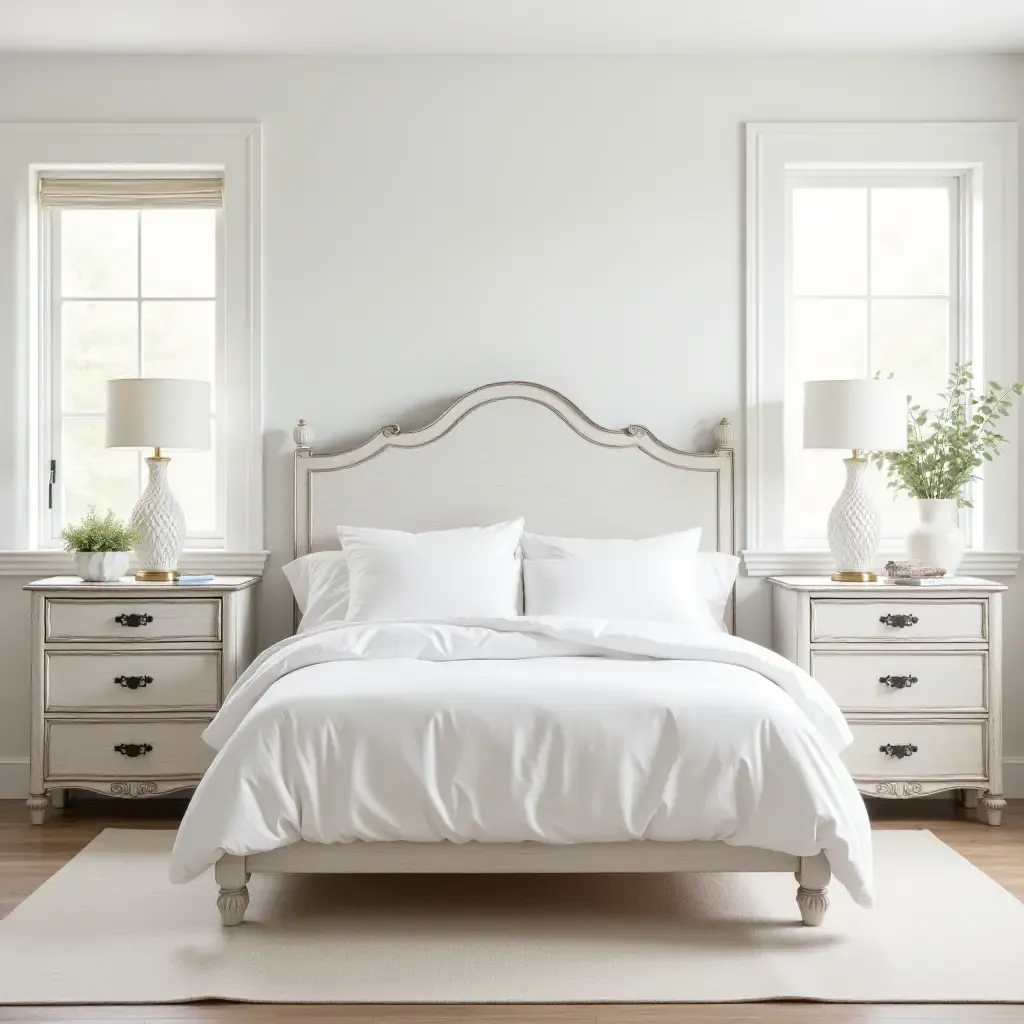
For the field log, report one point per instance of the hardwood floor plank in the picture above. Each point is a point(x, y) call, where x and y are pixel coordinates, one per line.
point(29, 855)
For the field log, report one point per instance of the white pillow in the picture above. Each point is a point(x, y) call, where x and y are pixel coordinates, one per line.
point(446, 574)
point(655, 579)
point(319, 582)
point(716, 576)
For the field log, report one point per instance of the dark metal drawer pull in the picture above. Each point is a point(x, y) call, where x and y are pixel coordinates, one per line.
point(897, 750)
point(898, 620)
point(898, 682)
point(132, 682)
point(133, 749)
point(133, 619)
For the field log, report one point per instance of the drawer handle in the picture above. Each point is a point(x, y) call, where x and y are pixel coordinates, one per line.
point(898, 682)
point(133, 619)
point(897, 750)
point(898, 620)
point(133, 749)
point(132, 682)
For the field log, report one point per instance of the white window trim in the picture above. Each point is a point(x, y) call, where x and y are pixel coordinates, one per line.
point(985, 154)
point(235, 150)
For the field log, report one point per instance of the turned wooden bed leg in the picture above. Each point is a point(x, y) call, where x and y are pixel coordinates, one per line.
point(813, 875)
point(233, 897)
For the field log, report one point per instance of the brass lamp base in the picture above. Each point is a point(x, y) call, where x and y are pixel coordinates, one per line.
point(855, 577)
point(157, 575)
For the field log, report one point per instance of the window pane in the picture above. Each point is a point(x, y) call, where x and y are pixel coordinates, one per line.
point(830, 241)
point(93, 475)
point(910, 243)
point(910, 338)
point(179, 253)
point(99, 253)
point(98, 343)
point(830, 338)
point(192, 478)
point(179, 339)
point(818, 478)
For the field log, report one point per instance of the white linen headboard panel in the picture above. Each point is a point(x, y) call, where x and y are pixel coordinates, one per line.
point(508, 450)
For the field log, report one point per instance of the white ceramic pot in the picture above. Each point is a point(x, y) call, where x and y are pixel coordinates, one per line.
point(101, 566)
point(936, 541)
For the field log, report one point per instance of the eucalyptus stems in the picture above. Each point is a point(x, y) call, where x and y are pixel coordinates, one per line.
point(946, 445)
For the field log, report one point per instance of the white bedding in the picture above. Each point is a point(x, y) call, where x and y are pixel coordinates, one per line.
point(550, 730)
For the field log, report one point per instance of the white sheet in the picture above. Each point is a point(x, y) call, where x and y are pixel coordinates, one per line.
point(550, 730)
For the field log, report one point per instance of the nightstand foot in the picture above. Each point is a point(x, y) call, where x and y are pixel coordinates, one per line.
point(991, 809)
point(37, 804)
point(967, 798)
point(58, 799)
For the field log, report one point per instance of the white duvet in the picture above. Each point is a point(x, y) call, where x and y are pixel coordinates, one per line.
point(526, 729)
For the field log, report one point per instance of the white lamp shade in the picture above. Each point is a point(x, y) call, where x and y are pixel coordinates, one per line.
point(867, 414)
point(158, 412)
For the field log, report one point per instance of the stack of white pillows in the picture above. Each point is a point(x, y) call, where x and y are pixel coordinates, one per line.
point(500, 571)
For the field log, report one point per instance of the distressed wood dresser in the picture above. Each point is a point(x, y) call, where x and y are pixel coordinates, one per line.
point(916, 670)
point(125, 678)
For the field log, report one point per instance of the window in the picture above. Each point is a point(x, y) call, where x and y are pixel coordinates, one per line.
point(872, 249)
point(132, 271)
point(119, 282)
point(873, 288)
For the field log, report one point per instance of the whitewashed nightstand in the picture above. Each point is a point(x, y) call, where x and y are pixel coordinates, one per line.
point(916, 670)
point(125, 677)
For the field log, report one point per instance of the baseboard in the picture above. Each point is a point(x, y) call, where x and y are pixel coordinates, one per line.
point(13, 778)
point(1013, 776)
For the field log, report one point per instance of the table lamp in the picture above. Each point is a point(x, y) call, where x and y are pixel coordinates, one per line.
point(858, 415)
point(158, 413)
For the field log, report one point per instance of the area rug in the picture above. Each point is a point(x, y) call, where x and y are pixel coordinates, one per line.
point(109, 928)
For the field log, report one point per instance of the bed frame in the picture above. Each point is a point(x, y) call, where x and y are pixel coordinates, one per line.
point(502, 451)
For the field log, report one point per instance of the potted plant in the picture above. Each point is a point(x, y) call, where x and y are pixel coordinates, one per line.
point(945, 447)
point(100, 545)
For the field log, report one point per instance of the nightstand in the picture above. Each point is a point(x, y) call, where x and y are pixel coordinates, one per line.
point(125, 678)
point(916, 670)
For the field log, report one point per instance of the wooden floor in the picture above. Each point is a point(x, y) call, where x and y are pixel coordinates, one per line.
point(28, 856)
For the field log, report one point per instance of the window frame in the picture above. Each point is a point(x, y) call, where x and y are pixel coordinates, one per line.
point(983, 157)
point(51, 411)
point(230, 149)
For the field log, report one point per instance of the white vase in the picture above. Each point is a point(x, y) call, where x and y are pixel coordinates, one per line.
point(936, 541)
point(101, 566)
point(161, 524)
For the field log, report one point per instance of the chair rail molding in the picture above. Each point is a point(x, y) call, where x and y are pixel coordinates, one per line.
point(821, 563)
point(61, 563)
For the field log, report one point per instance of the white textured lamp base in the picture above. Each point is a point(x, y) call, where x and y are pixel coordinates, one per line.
point(161, 522)
point(854, 527)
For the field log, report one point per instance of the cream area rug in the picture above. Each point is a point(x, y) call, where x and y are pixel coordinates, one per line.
point(109, 928)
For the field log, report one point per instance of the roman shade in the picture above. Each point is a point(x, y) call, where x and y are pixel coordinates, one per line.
point(132, 193)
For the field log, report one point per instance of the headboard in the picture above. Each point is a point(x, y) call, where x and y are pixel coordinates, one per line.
point(507, 450)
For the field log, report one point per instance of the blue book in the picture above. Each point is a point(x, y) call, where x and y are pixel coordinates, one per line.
point(190, 580)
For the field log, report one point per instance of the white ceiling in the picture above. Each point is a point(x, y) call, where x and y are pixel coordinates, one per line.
point(512, 26)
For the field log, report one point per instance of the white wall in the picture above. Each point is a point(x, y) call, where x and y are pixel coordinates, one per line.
point(433, 224)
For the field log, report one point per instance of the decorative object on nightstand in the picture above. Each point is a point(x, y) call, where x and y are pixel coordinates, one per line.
point(918, 675)
point(101, 545)
point(855, 415)
point(158, 413)
point(945, 448)
point(125, 678)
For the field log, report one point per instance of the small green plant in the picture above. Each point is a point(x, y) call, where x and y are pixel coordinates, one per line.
point(99, 533)
point(946, 445)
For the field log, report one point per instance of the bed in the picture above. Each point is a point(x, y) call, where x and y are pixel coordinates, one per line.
point(502, 451)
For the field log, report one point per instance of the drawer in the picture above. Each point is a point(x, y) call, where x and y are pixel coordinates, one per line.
point(133, 620)
point(906, 621)
point(79, 750)
point(134, 681)
point(944, 750)
point(902, 680)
